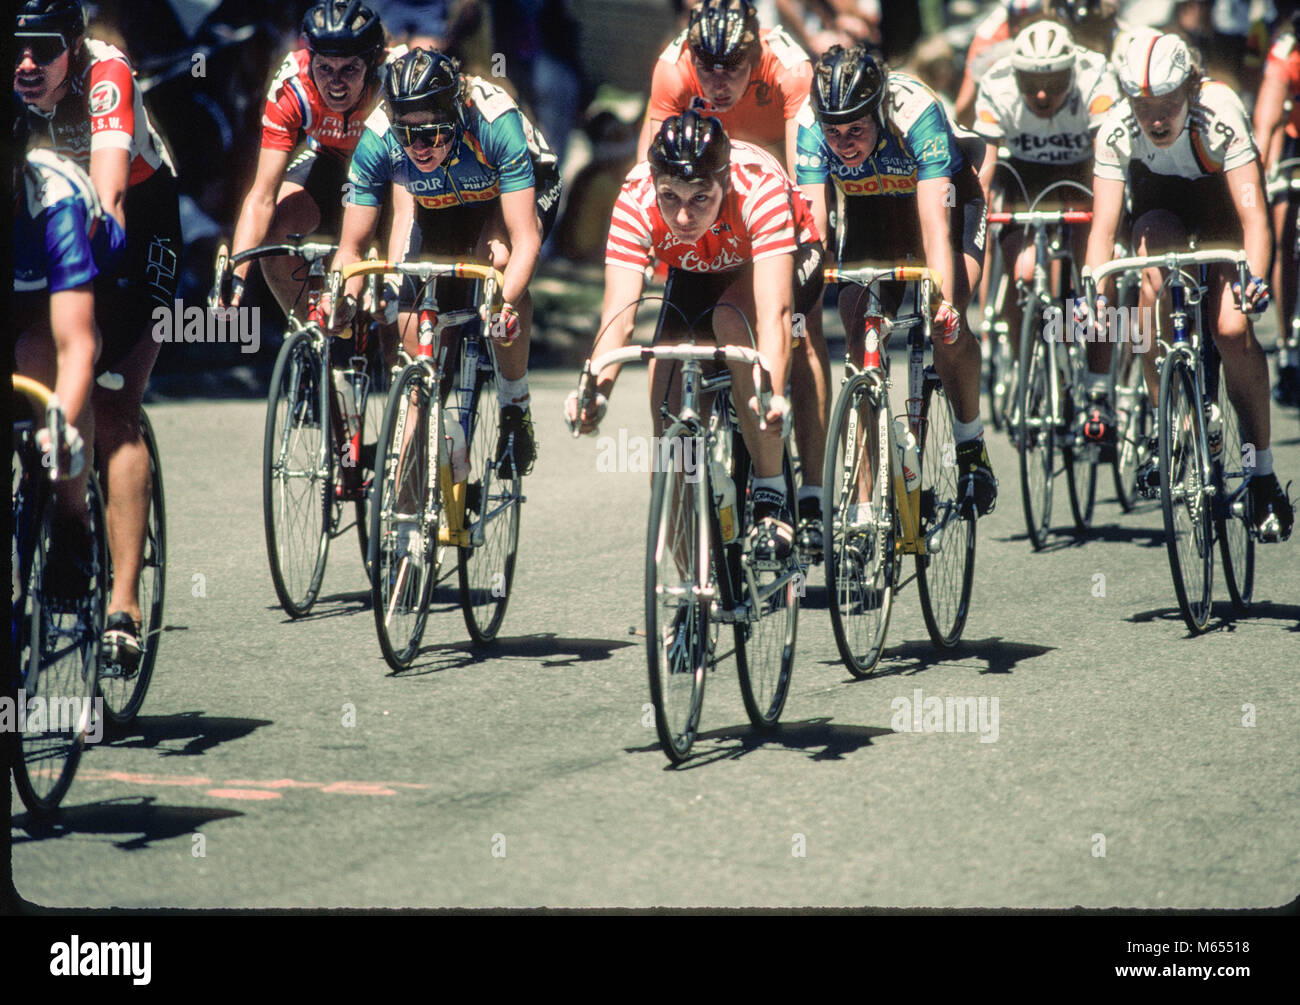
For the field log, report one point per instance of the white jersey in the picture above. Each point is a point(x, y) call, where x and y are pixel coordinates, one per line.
point(1003, 117)
point(1216, 138)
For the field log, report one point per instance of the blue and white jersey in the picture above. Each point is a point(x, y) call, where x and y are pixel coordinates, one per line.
point(498, 151)
point(918, 144)
point(62, 236)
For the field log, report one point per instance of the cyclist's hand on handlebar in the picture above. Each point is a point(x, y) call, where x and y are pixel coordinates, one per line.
point(505, 326)
point(776, 414)
point(386, 312)
point(947, 322)
point(588, 422)
point(1257, 296)
point(347, 310)
point(1099, 312)
point(236, 295)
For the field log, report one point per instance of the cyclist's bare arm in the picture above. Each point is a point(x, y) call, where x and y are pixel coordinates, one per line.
point(519, 211)
point(359, 224)
point(773, 283)
point(259, 207)
point(792, 147)
point(933, 196)
point(623, 288)
point(72, 323)
point(110, 167)
point(816, 196)
point(987, 170)
point(1107, 205)
point(1246, 185)
point(403, 217)
point(1269, 113)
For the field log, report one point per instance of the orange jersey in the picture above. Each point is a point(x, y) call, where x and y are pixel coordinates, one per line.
point(776, 89)
point(1284, 61)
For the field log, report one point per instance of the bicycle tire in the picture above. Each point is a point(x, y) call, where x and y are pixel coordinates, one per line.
point(297, 473)
point(859, 590)
point(401, 585)
point(45, 761)
point(765, 647)
point(1037, 437)
point(372, 418)
point(124, 696)
point(1133, 428)
point(676, 574)
point(486, 572)
point(1080, 457)
point(944, 578)
point(1237, 543)
point(1187, 511)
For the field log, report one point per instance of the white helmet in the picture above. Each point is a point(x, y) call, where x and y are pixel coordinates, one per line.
point(1044, 47)
point(1152, 65)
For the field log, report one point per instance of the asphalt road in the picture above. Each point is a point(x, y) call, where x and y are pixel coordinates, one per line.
point(529, 774)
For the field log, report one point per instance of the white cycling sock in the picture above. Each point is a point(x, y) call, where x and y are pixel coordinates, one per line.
point(513, 392)
point(964, 432)
point(774, 484)
point(1263, 462)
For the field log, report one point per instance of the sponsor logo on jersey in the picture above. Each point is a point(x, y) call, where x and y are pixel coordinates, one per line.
point(879, 185)
point(104, 97)
point(725, 259)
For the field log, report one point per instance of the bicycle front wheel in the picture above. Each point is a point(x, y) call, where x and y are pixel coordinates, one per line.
point(1037, 434)
point(1080, 456)
point(946, 572)
point(405, 516)
point(676, 606)
point(1183, 496)
point(486, 568)
point(56, 643)
point(124, 695)
point(377, 384)
point(297, 474)
point(858, 525)
point(765, 641)
point(1232, 512)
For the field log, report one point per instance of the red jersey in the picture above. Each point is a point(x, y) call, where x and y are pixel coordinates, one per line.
point(777, 87)
point(762, 215)
point(103, 109)
point(294, 109)
point(1284, 61)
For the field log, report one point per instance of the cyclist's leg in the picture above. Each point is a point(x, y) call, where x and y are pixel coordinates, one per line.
point(810, 378)
point(309, 200)
point(1154, 231)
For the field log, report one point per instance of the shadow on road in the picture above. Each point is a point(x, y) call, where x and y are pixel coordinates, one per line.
point(1224, 617)
point(1064, 538)
point(913, 657)
point(546, 648)
point(128, 815)
point(200, 732)
point(819, 738)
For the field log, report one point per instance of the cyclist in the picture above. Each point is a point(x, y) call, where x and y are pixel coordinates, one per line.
point(63, 239)
point(484, 185)
point(1182, 147)
point(1094, 24)
point(1282, 85)
point(754, 81)
point(992, 41)
point(1045, 103)
point(82, 101)
point(322, 93)
point(734, 231)
point(904, 189)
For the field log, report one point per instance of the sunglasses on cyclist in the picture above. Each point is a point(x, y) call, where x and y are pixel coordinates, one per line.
point(1050, 83)
point(435, 134)
point(45, 47)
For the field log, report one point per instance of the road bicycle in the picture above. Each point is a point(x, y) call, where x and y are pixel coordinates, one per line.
point(1204, 473)
point(55, 639)
point(1001, 364)
point(1050, 388)
point(700, 572)
point(322, 413)
point(1286, 178)
point(438, 482)
point(891, 484)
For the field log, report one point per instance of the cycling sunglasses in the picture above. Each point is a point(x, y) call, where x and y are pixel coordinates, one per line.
point(434, 134)
point(45, 47)
point(1051, 83)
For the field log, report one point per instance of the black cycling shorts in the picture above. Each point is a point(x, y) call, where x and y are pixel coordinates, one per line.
point(886, 228)
point(1204, 205)
point(690, 297)
point(150, 271)
point(323, 177)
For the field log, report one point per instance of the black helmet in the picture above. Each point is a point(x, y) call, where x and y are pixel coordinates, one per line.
point(1076, 13)
point(723, 33)
point(422, 80)
point(52, 17)
point(847, 85)
point(691, 147)
point(344, 28)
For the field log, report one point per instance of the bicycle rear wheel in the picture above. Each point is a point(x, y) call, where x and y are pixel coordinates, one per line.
point(124, 695)
point(676, 607)
point(297, 471)
point(1232, 511)
point(1080, 456)
point(946, 573)
point(56, 642)
point(1037, 437)
point(765, 645)
point(861, 561)
point(377, 384)
point(487, 570)
point(405, 517)
point(1183, 499)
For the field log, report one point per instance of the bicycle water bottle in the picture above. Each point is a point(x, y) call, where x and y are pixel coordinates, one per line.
point(1214, 430)
point(910, 462)
point(351, 410)
point(724, 497)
